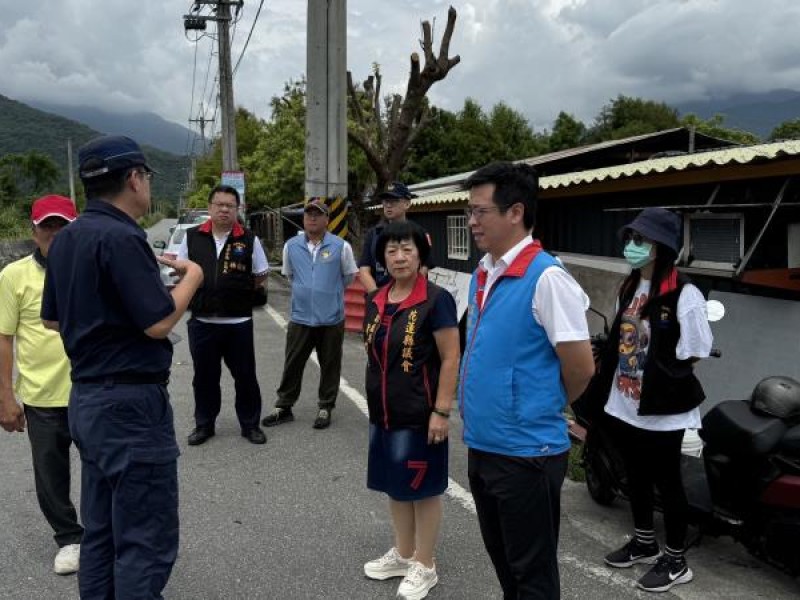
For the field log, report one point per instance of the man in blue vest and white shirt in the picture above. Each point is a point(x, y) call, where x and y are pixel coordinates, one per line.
point(527, 356)
point(319, 266)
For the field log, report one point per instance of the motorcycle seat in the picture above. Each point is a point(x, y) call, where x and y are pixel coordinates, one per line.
point(790, 442)
point(731, 428)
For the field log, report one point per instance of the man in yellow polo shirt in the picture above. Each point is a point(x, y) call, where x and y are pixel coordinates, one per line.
point(43, 381)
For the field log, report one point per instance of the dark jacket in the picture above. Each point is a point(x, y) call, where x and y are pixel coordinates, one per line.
point(228, 283)
point(403, 370)
point(669, 385)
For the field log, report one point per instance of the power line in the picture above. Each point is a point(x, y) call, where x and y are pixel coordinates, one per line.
point(191, 104)
point(249, 35)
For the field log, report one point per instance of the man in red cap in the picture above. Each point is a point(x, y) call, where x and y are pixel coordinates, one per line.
point(43, 382)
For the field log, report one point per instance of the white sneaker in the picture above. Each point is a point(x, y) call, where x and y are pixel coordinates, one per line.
point(389, 565)
point(67, 560)
point(418, 582)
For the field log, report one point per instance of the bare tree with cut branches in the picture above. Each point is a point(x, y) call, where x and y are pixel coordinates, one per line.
point(386, 129)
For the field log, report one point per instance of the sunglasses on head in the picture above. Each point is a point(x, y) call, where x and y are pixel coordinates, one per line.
point(636, 238)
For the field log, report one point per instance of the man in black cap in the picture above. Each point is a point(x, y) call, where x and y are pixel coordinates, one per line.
point(396, 202)
point(103, 293)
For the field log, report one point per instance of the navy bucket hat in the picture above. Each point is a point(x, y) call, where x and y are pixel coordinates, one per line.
point(109, 154)
point(659, 225)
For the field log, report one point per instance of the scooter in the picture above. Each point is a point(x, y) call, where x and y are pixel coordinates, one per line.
point(742, 478)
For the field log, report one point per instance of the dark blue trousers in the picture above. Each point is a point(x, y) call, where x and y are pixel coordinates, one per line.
point(210, 344)
point(129, 489)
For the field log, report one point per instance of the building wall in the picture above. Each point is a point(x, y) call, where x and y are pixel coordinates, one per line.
point(435, 223)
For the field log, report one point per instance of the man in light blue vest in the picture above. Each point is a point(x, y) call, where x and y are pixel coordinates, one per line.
point(319, 265)
point(527, 355)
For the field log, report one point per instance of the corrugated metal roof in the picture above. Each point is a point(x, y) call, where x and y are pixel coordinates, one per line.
point(738, 155)
point(453, 182)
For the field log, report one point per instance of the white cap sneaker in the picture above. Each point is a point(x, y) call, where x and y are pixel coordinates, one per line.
point(418, 582)
point(67, 559)
point(389, 565)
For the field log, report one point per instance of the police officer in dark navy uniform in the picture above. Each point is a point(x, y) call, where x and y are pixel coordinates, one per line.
point(396, 201)
point(103, 292)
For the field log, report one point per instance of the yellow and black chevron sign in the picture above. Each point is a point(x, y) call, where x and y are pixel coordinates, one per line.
point(337, 221)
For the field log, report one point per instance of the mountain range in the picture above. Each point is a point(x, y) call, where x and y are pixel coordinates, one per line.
point(145, 127)
point(25, 129)
point(757, 113)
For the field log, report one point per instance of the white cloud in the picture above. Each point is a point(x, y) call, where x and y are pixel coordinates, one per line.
point(539, 56)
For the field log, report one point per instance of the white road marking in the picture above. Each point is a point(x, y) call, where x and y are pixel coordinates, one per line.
point(454, 489)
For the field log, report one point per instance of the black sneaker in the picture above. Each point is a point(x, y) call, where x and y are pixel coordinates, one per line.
point(323, 419)
point(633, 553)
point(668, 572)
point(280, 415)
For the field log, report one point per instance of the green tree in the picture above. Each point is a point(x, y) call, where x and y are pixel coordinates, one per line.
point(512, 135)
point(715, 127)
point(277, 163)
point(568, 132)
point(272, 154)
point(626, 116)
point(788, 130)
point(22, 176)
point(208, 170)
point(464, 141)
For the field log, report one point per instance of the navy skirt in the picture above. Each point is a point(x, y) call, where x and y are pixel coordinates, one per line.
point(404, 466)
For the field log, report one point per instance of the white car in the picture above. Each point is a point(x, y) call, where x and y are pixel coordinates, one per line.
point(170, 248)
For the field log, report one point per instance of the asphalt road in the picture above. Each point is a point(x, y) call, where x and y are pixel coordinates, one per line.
point(293, 519)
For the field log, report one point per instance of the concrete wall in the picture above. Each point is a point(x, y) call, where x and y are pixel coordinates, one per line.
point(600, 278)
point(13, 250)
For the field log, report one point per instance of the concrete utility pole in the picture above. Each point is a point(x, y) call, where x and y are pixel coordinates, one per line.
point(326, 116)
point(230, 159)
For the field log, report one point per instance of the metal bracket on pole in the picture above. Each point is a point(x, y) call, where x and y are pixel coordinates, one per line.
point(713, 195)
point(749, 254)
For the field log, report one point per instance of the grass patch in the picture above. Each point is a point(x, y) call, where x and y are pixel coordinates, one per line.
point(13, 224)
point(150, 219)
point(574, 469)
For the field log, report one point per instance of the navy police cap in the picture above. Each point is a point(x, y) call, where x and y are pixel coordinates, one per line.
point(109, 154)
point(397, 191)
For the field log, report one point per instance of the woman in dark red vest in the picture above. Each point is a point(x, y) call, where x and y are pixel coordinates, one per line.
point(412, 344)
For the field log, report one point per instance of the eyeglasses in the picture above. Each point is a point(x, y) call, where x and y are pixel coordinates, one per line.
point(631, 236)
point(224, 205)
point(479, 211)
point(146, 174)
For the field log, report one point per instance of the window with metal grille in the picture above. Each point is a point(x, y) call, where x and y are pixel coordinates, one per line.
point(457, 237)
point(716, 240)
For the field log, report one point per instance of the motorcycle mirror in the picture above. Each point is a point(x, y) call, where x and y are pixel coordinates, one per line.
point(715, 310)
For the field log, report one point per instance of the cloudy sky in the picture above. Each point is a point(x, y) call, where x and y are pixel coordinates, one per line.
point(539, 56)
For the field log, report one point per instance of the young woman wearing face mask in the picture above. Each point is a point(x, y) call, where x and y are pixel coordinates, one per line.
point(652, 394)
